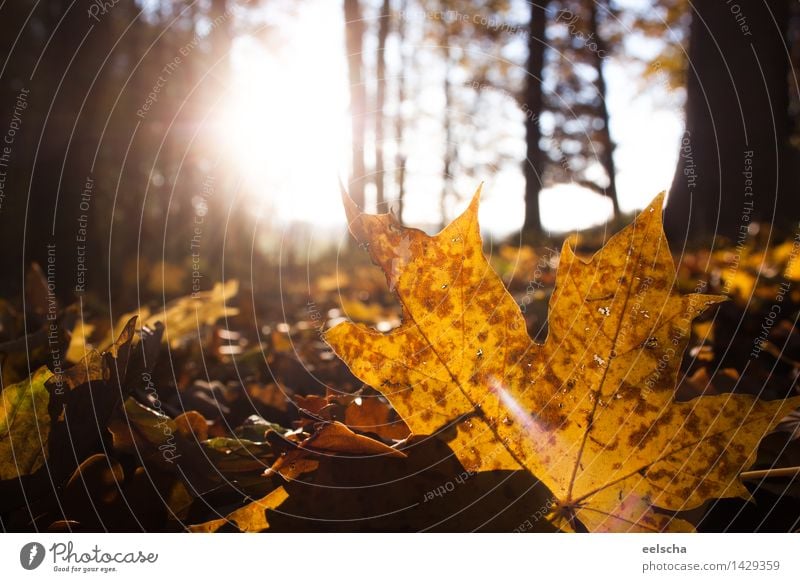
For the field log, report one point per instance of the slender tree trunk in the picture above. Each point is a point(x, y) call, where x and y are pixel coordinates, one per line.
point(221, 37)
point(535, 158)
point(354, 40)
point(449, 154)
point(380, 102)
point(400, 119)
point(736, 122)
point(607, 157)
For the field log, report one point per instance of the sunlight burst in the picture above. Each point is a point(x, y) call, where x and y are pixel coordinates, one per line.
point(287, 130)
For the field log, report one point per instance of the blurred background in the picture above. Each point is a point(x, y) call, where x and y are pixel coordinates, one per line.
point(153, 141)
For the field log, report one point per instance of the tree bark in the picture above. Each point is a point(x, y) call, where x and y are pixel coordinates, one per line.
point(607, 156)
point(380, 103)
point(535, 158)
point(222, 37)
point(449, 150)
point(400, 119)
point(354, 41)
point(737, 122)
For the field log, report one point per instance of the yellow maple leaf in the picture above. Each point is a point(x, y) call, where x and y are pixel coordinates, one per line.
point(591, 412)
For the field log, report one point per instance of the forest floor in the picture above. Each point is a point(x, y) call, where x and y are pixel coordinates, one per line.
point(175, 420)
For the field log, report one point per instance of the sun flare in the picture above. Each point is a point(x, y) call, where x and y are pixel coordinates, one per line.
point(287, 130)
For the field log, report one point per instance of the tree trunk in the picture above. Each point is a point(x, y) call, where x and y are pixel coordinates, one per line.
point(400, 120)
point(607, 156)
point(221, 37)
point(354, 40)
point(535, 157)
point(736, 124)
point(449, 153)
point(380, 102)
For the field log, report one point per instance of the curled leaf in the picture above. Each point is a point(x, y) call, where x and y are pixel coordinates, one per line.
point(329, 438)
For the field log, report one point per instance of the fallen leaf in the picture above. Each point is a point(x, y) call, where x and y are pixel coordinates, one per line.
point(184, 317)
point(372, 313)
point(239, 455)
point(94, 490)
point(24, 426)
point(312, 403)
point(270, 394)
point(79, 347)
point(38, 300)
point(192, 425)
point(591, 412)
point(98, 366)
point(335, 437)
point(139, 425)
point(369, 414)
point(250, 518)
point(332, 438)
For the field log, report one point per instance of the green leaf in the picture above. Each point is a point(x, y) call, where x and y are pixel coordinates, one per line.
point(24, 426)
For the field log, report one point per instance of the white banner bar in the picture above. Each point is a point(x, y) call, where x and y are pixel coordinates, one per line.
point(399, 557)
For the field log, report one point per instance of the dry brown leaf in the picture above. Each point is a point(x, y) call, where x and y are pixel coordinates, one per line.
point(192, 425)
point(335, 437)
point(332, 438)
point(369, 414)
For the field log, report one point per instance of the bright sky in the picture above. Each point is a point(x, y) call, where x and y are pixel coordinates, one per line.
point(287, 127)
